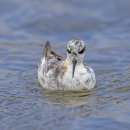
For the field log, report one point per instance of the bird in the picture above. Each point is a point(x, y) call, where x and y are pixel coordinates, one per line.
point(70, 73)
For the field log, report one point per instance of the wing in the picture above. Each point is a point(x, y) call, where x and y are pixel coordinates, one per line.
point(51, 54)
point(91, 71)
point(50, 60)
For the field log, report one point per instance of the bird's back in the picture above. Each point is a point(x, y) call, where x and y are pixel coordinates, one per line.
point(48, 68)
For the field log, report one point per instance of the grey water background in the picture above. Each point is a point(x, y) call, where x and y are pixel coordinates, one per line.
point(24, 27)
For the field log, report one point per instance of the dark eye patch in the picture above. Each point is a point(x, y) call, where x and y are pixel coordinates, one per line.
point(68, 51)
point(82, 51)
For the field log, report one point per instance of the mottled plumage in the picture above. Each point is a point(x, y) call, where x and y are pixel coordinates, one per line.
point(57, 73)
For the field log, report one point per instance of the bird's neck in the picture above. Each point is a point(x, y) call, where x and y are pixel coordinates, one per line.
point(69, 62)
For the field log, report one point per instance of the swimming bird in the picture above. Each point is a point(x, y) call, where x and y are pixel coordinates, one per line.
point(71, 73)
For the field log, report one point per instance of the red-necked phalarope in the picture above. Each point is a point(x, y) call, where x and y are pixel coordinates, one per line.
point(56, 73)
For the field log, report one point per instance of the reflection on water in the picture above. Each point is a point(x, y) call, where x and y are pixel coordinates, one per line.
point(68, 99)
point(26, 25)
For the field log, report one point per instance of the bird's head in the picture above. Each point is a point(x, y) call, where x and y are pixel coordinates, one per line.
point(75, 52)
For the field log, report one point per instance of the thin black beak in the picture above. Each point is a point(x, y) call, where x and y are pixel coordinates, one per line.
point(74, 65)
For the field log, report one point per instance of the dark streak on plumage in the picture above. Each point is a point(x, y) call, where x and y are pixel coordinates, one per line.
point(57, 56)
point(87, 81)
point(47, 49)
point(51, 54)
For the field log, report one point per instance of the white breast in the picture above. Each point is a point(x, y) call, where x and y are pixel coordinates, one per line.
point(82, 78)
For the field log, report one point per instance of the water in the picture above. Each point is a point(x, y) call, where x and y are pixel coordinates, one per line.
point(26, 25)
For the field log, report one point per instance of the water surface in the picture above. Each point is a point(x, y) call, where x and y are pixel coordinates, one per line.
point(26, 25)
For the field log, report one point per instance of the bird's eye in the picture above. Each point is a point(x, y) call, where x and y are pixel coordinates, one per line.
point(82, 51)
point(68, 51)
